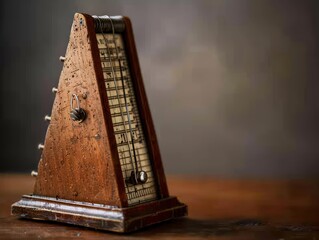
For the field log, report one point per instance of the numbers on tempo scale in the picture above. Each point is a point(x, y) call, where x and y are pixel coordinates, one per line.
point(124, 111)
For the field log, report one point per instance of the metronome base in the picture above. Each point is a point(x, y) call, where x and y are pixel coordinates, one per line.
point(99, 216)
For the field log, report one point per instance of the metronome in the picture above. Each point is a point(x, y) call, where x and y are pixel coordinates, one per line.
point(100, 165)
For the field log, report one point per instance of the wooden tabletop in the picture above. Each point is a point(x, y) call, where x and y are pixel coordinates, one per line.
point(218, 209)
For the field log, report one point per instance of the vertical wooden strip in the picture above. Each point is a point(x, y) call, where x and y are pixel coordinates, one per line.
point(144, 110)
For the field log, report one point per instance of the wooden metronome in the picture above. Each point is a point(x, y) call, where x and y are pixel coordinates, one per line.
point(100, 165)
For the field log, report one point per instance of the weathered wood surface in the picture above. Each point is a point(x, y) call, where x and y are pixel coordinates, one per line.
point(218, 209)
point(79, 160)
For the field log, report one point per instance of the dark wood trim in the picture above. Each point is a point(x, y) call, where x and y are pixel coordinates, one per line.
point(144, 110)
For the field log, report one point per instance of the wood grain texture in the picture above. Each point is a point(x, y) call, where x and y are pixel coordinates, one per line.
point(79, 161)
point(218, 209)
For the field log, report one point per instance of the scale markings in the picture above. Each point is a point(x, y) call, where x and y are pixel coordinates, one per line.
point(125, 117)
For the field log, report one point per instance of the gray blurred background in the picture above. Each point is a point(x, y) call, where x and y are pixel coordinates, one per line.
point(232, 85)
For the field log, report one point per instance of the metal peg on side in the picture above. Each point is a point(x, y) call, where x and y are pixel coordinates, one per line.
point(47, 118)
point(62, 58)
point(40, 146)
point(54, 90)
point(34, 174)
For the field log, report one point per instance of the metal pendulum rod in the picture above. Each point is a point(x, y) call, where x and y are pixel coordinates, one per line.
point(141, 175)
point(118, 98)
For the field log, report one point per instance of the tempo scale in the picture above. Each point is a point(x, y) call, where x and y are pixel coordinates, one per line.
point(100, 165)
